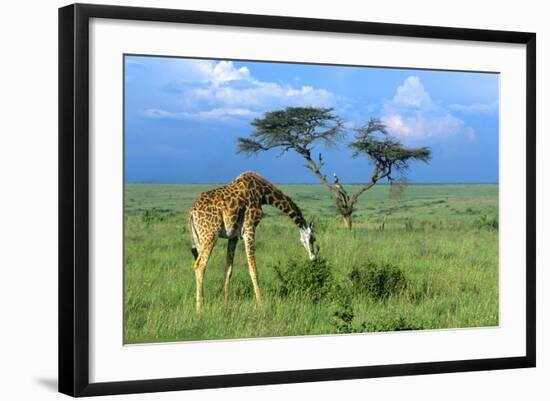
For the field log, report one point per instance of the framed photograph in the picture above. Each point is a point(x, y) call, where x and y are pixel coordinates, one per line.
point(251, 199)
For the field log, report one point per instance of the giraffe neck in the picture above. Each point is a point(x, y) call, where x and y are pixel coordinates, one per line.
point(275, 197)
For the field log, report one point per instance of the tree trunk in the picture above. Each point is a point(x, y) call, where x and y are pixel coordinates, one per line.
point(347, 221)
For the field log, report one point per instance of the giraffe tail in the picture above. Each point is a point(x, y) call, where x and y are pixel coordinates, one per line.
point(194, 237)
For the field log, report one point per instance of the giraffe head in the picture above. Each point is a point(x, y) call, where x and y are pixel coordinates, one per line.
point(307, 238)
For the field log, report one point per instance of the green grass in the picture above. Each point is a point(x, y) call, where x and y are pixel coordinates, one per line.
point(440, 245)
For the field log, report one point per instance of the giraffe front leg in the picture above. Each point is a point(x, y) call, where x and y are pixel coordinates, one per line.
point(231, 244)
point(200, 267)
point(248, 238)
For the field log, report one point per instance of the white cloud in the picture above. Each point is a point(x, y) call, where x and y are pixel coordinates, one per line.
point(412, 94)
point(261, 95)
point(421, 126)
point(412, 115)
point(395, 124)
point(217, 114)
point(218, 90)
point(221, 72)
point(475, 108)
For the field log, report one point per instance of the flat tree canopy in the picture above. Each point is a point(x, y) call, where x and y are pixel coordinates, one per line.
point(295, 128)
point(387, 154)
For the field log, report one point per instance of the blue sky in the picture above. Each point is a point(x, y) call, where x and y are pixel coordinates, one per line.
point(183, 118)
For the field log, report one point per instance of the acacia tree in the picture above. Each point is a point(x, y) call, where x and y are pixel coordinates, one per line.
point(301, 128)
point(389, 157)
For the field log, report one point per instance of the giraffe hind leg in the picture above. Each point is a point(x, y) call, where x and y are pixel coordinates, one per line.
point(231, 244)
point(251, 259)
point(200, 267)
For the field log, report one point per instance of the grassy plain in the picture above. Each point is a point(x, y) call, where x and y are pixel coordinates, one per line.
point(434, 265)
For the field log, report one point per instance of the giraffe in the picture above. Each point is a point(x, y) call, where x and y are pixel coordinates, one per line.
point(233, 211)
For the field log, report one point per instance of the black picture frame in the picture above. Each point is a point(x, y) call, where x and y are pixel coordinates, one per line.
point(74, 198)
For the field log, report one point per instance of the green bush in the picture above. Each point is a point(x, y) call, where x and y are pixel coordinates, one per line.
point(344, 319)
point(378, 280)
point(487, 223)
point(391, 323)
point(343, 316)
point(149, 216)
point(304, 278)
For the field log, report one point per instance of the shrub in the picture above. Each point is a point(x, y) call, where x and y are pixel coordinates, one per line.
point(486, 222)
point(344, 319)
point(304, 278)
point(378, 281)
point(149, 216)
point(391, 323)
point(343, 316)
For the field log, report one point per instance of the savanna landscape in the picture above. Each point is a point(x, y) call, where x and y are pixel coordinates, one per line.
point(388, 219)
point(424, 258)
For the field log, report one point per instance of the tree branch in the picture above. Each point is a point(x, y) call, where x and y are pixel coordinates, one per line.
point(317, 171)
point(376, 176)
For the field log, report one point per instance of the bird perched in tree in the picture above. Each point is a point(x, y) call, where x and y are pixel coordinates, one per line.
point(341, 191)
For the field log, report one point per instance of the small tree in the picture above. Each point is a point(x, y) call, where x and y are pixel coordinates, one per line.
point(389, 157)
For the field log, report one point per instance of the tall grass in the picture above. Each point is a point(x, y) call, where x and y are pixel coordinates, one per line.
point(435, 265)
